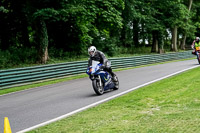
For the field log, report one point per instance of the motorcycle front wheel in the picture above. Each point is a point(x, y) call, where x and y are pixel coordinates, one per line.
point(99, 90)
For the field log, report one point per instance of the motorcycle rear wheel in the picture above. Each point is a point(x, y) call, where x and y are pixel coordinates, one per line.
point(99, 90)
point(198, 57)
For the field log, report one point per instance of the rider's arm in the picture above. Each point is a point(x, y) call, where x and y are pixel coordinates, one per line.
point(193, 43)
point(105, 60)
point(89, 62)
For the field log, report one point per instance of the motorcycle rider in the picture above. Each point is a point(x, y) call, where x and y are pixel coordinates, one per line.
point(193, 45)
point(196, 43)
point(97, 55)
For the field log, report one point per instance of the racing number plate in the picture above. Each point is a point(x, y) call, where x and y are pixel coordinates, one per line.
point(197, 48)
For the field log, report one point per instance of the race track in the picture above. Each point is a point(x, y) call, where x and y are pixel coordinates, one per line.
point(34, 106)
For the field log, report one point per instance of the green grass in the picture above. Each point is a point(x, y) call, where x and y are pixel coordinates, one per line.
point(168, 106)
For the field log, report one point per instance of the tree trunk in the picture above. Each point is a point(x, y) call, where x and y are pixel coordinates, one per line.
point(135, 34)
point(183, 42)
point(190, 5)
point(143, 35)
point(154, 48)
point(174, 39)
point(42, 40)
point(123, 36)
point(161, 43)
point(185, 35)
point(44, 55)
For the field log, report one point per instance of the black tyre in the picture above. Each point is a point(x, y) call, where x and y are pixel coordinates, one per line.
point(116, 82)
point(198, 58)
point(99, 90)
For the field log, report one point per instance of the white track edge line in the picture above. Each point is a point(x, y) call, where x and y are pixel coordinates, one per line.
point(104, 100)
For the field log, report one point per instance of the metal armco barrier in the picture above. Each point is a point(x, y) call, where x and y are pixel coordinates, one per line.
point(16, 77)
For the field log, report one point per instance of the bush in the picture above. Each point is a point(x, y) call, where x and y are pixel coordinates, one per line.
point(22, 57)
point(133, 50)
point(107, 46)
point(110, 48)
point(17, 56)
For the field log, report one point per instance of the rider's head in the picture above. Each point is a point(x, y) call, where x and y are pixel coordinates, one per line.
point(92, 50)
point(197, 39)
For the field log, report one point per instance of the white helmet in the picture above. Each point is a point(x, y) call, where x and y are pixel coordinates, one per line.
point(92, 50)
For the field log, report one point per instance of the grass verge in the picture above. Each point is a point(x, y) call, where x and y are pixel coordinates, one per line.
point(40, 83)
point(170, 106)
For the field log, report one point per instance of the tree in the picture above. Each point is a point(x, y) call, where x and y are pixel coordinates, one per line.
point(61, 26)
point(185, 33)
point(42, 40)
point(175, 19)
point(137, 18)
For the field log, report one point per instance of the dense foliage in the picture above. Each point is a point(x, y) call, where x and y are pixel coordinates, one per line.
point(35, 31)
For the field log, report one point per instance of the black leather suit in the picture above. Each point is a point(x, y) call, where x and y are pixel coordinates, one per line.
point(99, 56)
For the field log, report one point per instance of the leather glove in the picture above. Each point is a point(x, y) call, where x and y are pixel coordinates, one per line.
point(91, 77)
point(102, 66)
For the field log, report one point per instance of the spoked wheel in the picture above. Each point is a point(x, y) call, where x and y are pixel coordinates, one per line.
point(116, 82)
point(99, 90)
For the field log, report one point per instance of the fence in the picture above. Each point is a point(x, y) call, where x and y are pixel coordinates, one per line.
point(16, 77)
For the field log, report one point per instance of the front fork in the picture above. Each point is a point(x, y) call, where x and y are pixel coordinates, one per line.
point(99, 78)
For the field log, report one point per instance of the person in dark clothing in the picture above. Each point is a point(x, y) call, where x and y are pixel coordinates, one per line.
point(97, 55)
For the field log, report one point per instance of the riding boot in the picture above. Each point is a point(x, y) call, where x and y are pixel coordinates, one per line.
point(112, 74)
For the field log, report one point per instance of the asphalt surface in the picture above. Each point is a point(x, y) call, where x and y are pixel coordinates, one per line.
point(31, 107)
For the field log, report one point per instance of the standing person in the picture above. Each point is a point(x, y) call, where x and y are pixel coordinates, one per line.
point(97, 55)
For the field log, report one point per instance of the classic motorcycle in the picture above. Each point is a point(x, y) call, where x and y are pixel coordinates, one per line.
point(102, 81)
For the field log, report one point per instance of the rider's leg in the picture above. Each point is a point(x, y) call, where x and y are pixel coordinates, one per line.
point(109, 69)
point(197, 54)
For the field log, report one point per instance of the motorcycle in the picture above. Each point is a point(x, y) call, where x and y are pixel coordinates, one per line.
point(198, 53)
point(102, 81)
